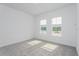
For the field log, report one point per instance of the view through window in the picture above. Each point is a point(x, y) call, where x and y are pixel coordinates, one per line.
point(43, 26)
point(56, 26)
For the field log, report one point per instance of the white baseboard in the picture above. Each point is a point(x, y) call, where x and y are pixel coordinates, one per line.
point(10, 43)
point(77, 51)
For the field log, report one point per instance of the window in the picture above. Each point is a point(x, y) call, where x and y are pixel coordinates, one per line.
point(43, 26)
point(56, 26)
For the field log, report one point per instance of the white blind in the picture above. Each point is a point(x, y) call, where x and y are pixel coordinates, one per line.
point(57, 20)
point(43, 22)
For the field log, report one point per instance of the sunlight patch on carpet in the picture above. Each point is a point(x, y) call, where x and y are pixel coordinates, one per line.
point(49, 47)
point(34, 42)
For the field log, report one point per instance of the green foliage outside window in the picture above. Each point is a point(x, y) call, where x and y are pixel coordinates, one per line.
point(56, 29)
point(43, 28)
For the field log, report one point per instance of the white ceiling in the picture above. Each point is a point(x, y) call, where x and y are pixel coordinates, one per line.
point(36, 8)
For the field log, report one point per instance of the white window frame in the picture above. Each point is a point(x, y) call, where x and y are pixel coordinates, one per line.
point(43, 22)
point(58, 23)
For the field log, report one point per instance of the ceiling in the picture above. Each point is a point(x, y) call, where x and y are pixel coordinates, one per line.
point(36, 8)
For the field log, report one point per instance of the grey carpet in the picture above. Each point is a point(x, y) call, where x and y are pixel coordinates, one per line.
point(25, 49)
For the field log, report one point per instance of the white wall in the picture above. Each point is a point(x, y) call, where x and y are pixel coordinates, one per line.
point(68, 14)
point(15, 26)
point(78, 28)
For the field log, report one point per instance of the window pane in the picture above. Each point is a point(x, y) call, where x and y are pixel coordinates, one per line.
point(56, 26)
point(43, 29)
point(56, 29)
point(43, 22)
point(59, 20)
point(54, 21)
point(43, 26)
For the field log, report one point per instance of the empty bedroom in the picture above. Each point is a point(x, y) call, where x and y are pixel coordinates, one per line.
point(39, 29)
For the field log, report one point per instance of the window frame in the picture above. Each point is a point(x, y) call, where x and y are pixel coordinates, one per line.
point(43, 25)
point(59, 34)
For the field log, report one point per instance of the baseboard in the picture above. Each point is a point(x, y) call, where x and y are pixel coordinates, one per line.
point(3, 45)
point(56, 42)
point(77, 51)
